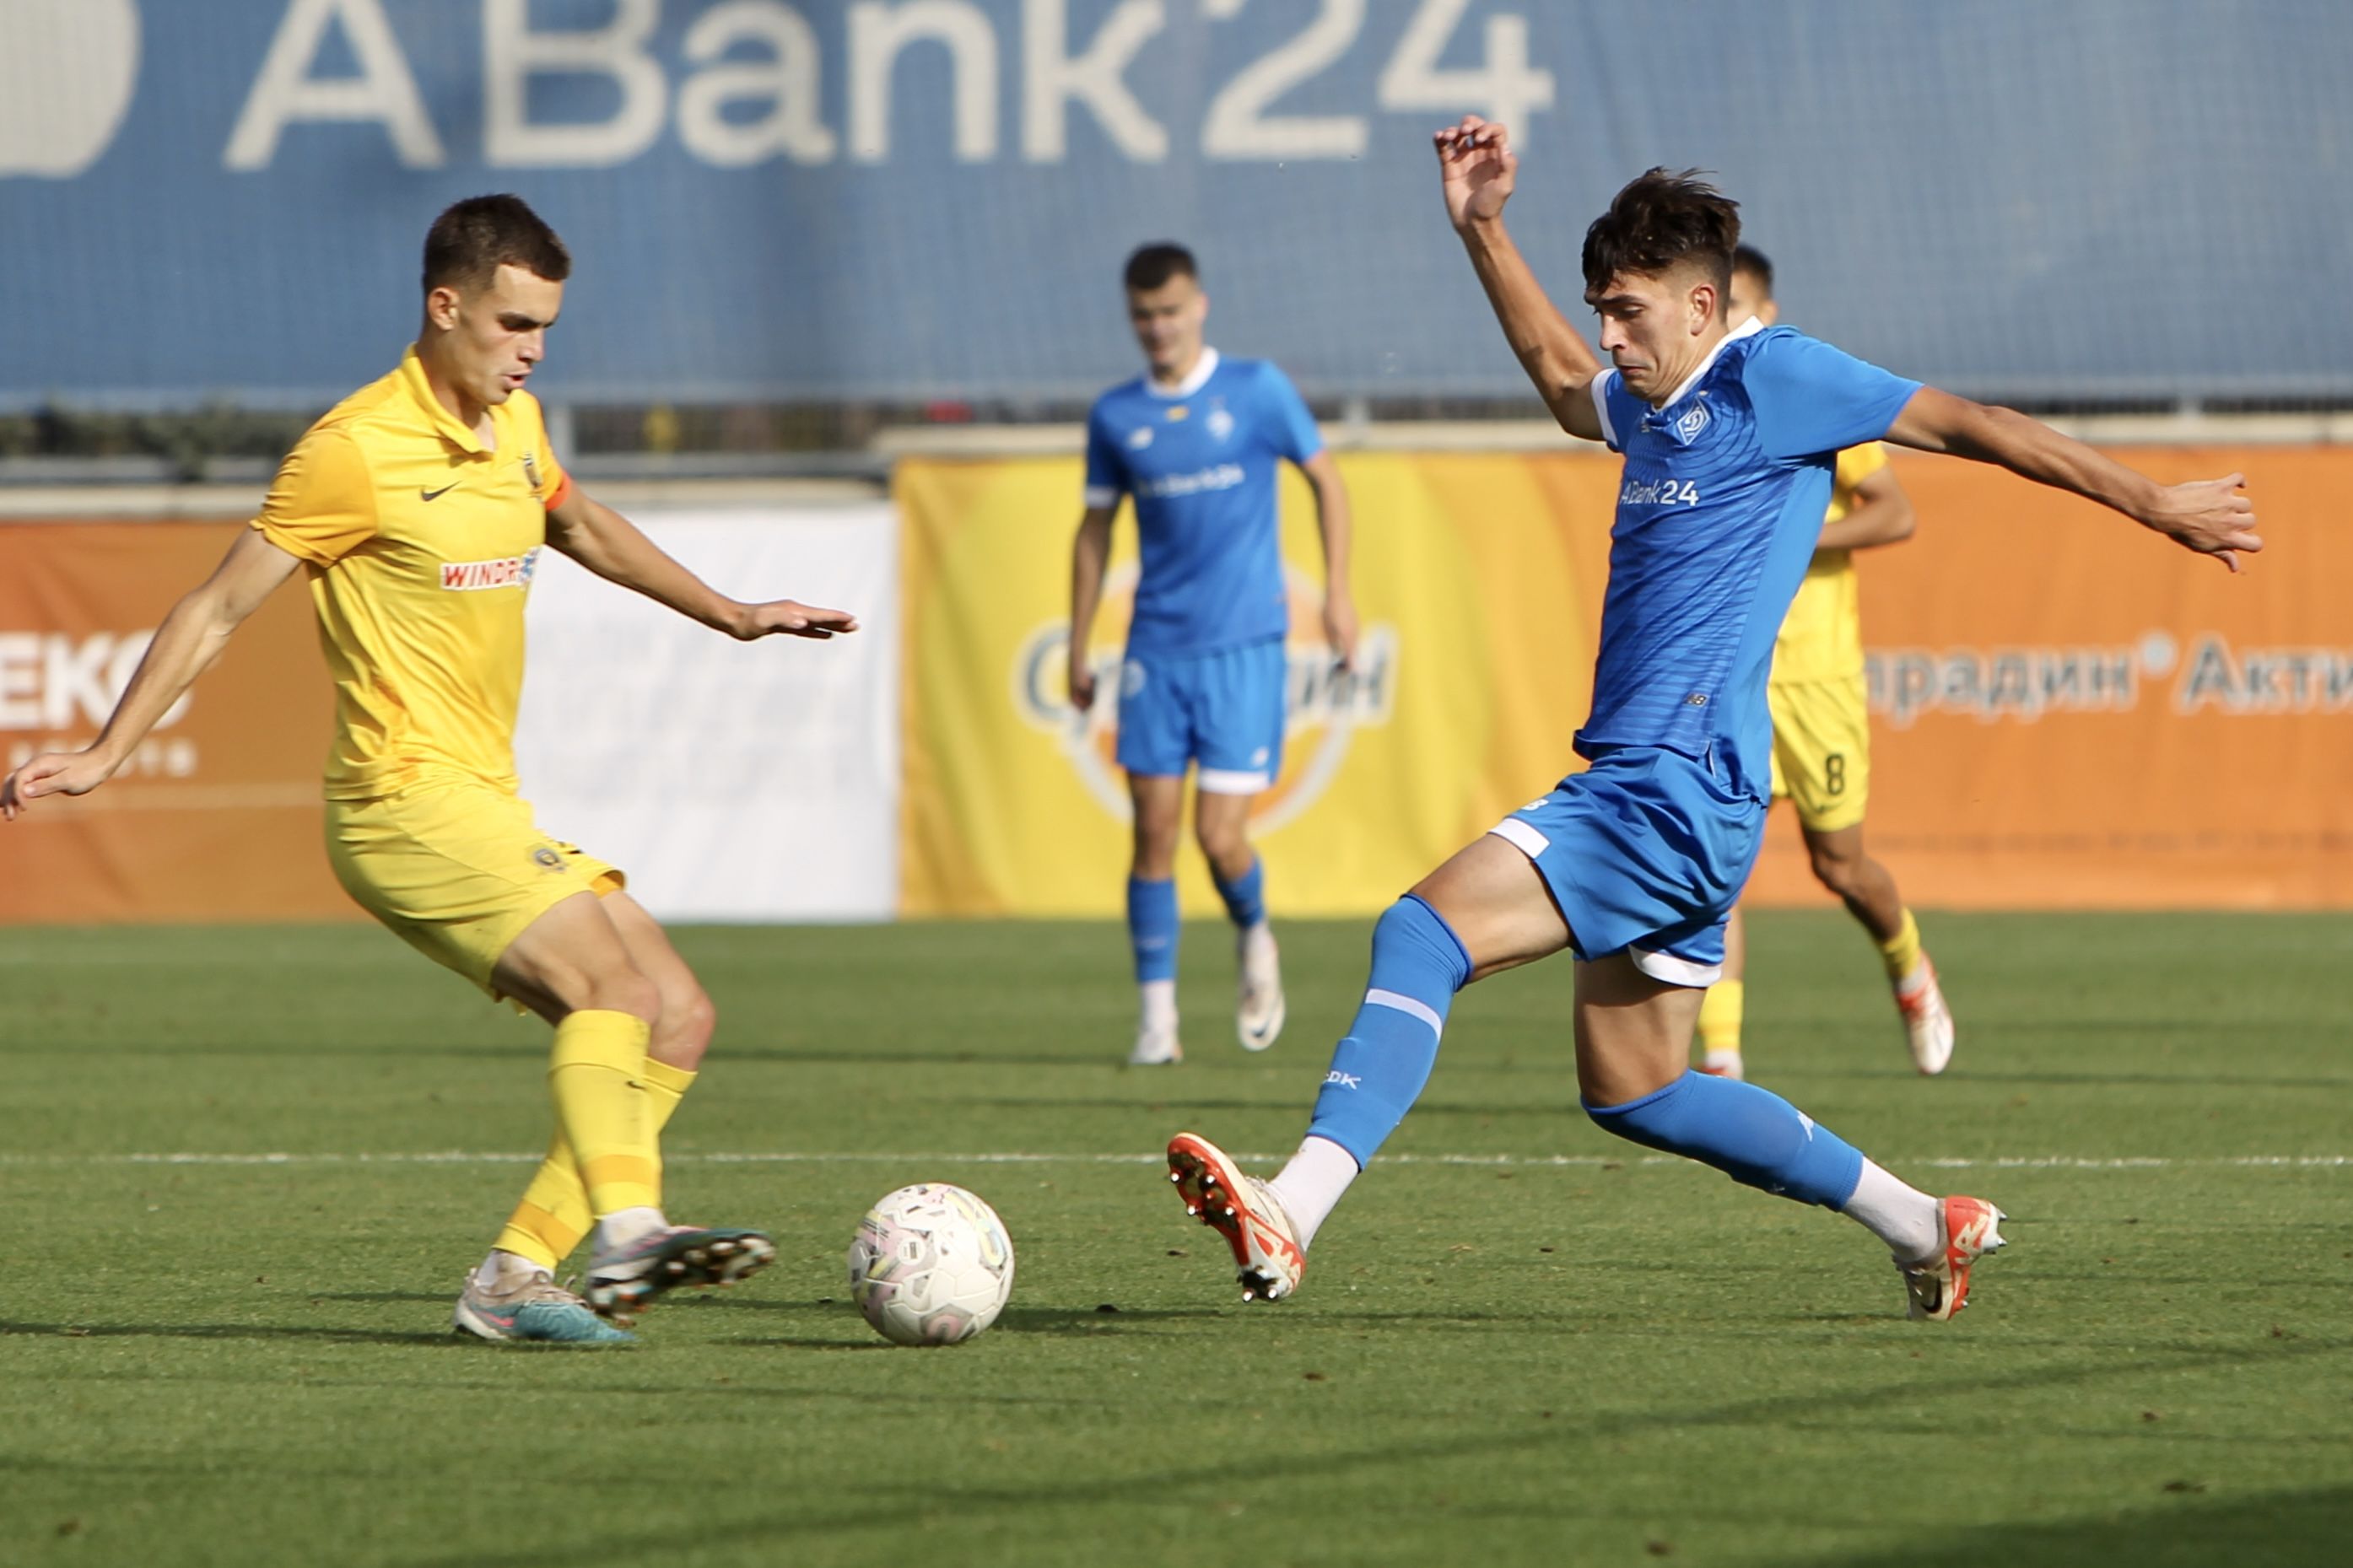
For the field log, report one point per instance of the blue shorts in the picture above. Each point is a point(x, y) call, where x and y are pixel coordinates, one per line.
point(1222, 709)
point(1646, 852)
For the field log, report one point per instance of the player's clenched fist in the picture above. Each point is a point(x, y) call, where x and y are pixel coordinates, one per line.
point(1475, 165)
point(2213, 517)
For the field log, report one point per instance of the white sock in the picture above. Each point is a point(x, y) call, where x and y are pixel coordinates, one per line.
point(622, 1227)
point(1256, 944)
point(1908, 1220)
point(1159, 1011)
point(1311, 1184)
point(502, 1271)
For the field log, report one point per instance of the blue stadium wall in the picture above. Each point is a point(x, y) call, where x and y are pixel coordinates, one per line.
point(930, 198)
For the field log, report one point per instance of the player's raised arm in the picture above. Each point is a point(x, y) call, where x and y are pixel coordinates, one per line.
point(185, 645)
point(2211, 517)
point(615, 549)
point(1476, 167)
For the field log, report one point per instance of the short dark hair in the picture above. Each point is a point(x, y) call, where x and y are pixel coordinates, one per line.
point(1755, 263)
point(1661, 220)
point(473, 239)
point(1154, 264)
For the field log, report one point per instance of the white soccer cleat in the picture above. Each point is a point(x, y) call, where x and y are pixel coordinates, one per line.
point(1928, 1022)
point(1940, 1288)
point(1155, 1048)
point(1268, 1259)
point(1258, 1010)
point(1724, 1064)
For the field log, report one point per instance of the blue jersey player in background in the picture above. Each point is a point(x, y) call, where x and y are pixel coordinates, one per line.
point(1198, 443)
point(1729, 431)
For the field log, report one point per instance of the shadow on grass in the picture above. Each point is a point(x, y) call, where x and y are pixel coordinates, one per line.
point(2293, 1528)
point(1018, 1320)
point(309, 1332)
point(2279, 1530)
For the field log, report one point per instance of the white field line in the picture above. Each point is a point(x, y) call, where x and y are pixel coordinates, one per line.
point(860, 1157)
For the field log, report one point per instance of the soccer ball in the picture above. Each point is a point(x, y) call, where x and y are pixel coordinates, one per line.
point(930, 1264)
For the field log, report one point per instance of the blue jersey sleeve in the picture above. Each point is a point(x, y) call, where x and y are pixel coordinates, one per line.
point(1811, 397)
point(1106, 474)
point(1619, 408)
point(1290, 426)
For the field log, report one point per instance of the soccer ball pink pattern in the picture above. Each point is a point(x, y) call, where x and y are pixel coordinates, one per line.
point(930, 1264)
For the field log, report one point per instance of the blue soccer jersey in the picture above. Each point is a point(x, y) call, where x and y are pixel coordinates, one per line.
point(1200, 461)
point(1718, 512)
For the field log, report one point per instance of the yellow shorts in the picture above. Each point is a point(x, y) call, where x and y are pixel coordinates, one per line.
point(457, 870)
point(1821, 749)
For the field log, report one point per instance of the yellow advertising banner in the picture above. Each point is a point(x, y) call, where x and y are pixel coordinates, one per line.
point(1478, 584)
point(2067, 712)
point(217, 816)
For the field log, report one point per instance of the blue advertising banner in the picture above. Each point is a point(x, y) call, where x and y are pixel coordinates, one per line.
point(930, 198)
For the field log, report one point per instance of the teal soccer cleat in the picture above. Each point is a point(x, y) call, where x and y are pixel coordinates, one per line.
point(537, 1312)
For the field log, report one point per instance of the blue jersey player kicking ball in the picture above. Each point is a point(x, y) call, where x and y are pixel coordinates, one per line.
point(1198, 442)
point(1729, 431)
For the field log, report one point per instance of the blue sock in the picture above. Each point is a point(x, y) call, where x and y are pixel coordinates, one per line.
point(1378, 1070)
point(1151, 927)
point(1751, 1135)
point(1245, 896)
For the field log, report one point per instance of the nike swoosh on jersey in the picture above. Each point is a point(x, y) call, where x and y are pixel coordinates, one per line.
point(437, 495)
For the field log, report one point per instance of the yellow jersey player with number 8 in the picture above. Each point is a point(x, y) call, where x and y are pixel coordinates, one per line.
point(1822, 738)
point(418, 508)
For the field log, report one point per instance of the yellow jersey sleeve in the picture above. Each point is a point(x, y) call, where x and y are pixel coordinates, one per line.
point(1855, 465)
point(323, 505)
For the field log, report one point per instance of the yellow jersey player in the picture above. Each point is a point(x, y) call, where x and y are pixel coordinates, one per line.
point(1822, 738)
point(416, 509)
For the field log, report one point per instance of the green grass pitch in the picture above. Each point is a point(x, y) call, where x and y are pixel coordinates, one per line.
point(1520, 1342)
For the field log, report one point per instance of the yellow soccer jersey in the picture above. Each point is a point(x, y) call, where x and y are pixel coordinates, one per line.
point(1821, 637)
point(420, 542)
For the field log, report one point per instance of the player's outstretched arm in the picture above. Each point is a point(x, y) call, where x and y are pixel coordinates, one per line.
point(2211, 517)
point(1476, 167)
point(1336, 525)
point(184, 646)
point(615, 549)
point(1090, 554)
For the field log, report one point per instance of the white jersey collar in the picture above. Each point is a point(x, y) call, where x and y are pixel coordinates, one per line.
point(1748, 329)
point(1203, 369)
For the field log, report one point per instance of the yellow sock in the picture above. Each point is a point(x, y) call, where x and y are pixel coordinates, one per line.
point(1901, 952)
point(597, 1074)
point(1719, 1016)
point(553, 1214)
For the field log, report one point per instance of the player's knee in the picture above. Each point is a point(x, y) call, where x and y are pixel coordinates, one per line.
point(683, 1032)
point(1224, 842)
point(1836, 870)
point(1156, 849)
point(624, 989)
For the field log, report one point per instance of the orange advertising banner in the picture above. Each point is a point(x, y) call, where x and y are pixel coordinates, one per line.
point(217, 816)
point(2070, 712)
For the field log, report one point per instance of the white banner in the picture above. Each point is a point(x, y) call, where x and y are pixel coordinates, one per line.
point(731, 781)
